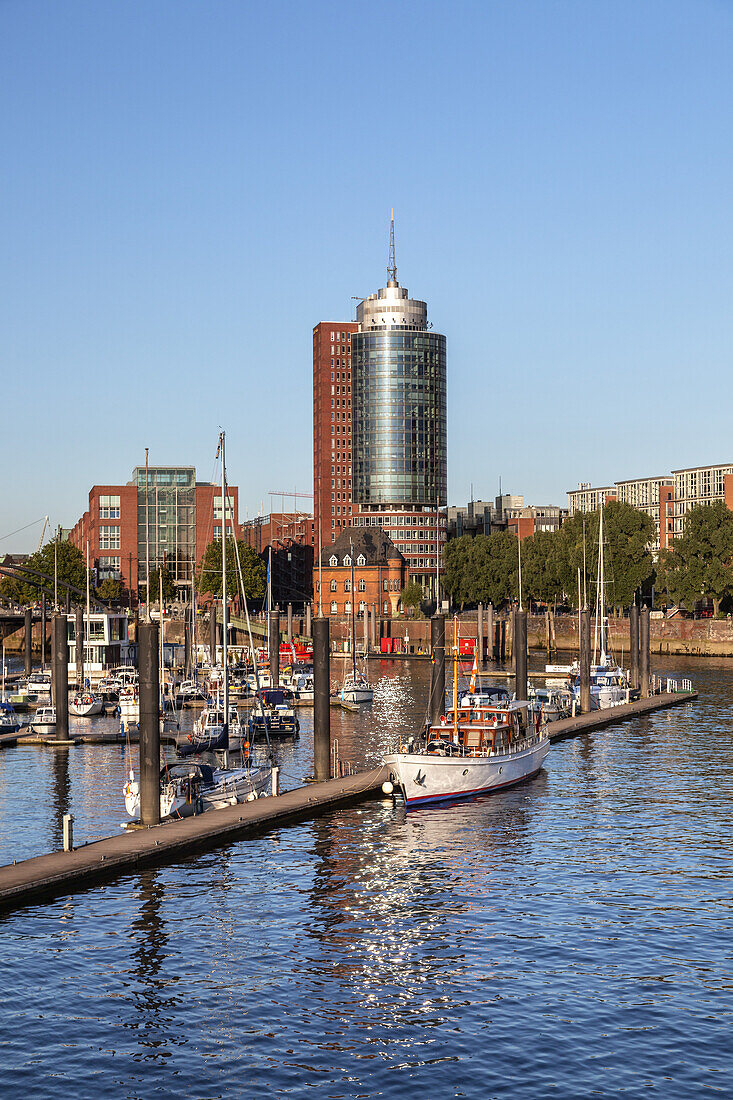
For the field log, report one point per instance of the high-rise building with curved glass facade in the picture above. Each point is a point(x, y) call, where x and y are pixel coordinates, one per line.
point(399, 431)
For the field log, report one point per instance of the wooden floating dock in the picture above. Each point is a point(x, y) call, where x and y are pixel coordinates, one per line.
point(598, 719)
point(62, 873)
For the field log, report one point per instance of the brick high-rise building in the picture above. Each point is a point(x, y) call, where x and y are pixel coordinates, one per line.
point(332, 418)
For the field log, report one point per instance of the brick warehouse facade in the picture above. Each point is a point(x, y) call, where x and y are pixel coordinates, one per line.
point(183, 516)
point(379, 574)
point(332, 429)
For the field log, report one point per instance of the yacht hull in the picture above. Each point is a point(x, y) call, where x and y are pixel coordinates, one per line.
point(427, 779)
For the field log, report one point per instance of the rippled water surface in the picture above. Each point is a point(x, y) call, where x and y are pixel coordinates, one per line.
point(571, 937)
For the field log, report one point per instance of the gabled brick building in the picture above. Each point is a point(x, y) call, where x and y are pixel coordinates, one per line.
point(379, 574)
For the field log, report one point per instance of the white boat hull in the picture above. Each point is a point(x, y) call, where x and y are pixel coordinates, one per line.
point(430, 778)
point(176, 801)
point(356, 695)
point(85, 710)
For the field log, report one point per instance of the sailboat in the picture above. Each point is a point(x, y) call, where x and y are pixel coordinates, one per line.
point(356, 688)
point(609, 685)
point(194, 787)
point(470, 752)
point(85, 703)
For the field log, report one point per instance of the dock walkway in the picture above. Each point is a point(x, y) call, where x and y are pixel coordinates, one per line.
point(68, 872)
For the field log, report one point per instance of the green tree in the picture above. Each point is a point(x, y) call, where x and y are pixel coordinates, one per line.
point(541, 579)
point(455, 565)
point(109, 590)
point(627, 533)
point(411, 596)
point(169, 588)
point(700, 560)
point(482, 569)
point(254, 573)
point(71, 569)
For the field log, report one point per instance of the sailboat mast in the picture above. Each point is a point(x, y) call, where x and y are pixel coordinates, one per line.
point(602, 591)
point(455, 676)
point(87, 629)
point(224, 591)
point(162, 642)
point(353, 624)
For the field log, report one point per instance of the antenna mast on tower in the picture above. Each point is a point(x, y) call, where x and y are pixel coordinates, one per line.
point(392, 264)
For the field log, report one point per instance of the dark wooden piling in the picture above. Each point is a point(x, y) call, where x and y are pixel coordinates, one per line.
point(634, 646)
point(28, 641)
point(321, 700)
point(61, 676)
point(437, 669)
point(644, 661)
point(149, 725)
point(520, 650)
point(585, 661)
point(274, 644)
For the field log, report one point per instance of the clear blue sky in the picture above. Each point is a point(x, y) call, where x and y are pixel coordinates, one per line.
point(187, 188)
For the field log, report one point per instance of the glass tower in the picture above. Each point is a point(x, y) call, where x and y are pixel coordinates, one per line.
point(399, 430)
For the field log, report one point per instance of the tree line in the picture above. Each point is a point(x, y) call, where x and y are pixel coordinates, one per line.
point(698, 565)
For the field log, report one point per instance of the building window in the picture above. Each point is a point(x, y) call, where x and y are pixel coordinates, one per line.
point(385, 607)
point(347, 585)
point(362, 585)
point(347, 560)
point(109, 538)
point(361, 560)
point(333, 586)
point(333, 560)
point(334, 607)
point(109, 507)
point(362, 607)
point(110, 568)
point(347, 608)
point(385, 586)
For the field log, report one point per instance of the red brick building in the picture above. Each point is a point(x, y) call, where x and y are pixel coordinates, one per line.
point(332, 455)
point(171, 524)
point(379, 574)
point(277, 528)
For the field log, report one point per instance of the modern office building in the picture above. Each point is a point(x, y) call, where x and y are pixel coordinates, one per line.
point(667, 499)
point(332, 413)
point(170, 520)
point(398, 383)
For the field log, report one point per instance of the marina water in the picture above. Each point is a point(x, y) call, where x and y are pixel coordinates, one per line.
point(569, 937)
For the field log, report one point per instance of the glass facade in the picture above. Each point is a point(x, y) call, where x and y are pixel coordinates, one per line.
point(166, 512)
point(399, 429)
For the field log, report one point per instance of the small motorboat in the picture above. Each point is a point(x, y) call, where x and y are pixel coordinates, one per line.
point(39, 684)
point(44, 720)
point(276, 712)
point(85, 705)
point(303, 687)
point(189, 692)
point(129, 703)
point(9, 720)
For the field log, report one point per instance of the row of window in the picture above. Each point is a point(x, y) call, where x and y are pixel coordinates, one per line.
point(109, 507)
point(109, 537)
point(362, 608)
